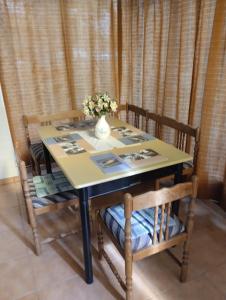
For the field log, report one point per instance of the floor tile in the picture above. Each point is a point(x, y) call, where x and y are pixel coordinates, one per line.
point(52, 224)
point(196, 290)
point(13, 245)
point(16, 279)
point(76, 289)
point(30, 296)
point(53, 266)
point(217, 276)
point(8, 196)
point(10, 219)
point(143, 287)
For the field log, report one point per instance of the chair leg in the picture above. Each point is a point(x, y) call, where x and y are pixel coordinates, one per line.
point(36, 240)
point(184, 267)
point(33, 223)
point(100, 240)
point(27, 214)
point(129, 279)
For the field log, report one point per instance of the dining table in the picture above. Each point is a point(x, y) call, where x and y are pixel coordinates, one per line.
point(98, 167)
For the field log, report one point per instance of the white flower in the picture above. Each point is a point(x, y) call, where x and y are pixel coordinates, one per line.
point(100, 103)
point(106, 98)
point(86, 111)
point(113, 106)
point(91, 105)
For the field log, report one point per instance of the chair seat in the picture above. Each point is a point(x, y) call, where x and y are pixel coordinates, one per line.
point(142, 225)
point(37, 152)
point(50, 189)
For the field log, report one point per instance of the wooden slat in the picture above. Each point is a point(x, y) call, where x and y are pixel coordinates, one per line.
point(35, 119)
point(178, 126)
point(167, 221)
point(56, 206)
point(162, 222)
point(159, 247)
point(155, 225)
point(114, 270)
point(174, 257)
point(163, 196)
point(59, 236)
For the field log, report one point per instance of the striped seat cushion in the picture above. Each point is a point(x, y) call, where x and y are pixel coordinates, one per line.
point(142, 225)
point(42, 194)
point(37, 152)
point(188, 164)
point(50, 184)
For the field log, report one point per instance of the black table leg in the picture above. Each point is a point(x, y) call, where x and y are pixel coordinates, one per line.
point(177, 179)
point(84, 211)
point(47, 159)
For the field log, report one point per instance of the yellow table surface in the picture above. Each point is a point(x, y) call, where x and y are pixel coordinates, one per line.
point(82, 172)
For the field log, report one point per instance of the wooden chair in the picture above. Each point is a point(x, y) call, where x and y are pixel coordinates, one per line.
point(184, 137)
point(153, 123)
point(157, 229)
point(133, 115)
point(36, 206)
point(35, 147)
point(136, 116)
point(121, 111)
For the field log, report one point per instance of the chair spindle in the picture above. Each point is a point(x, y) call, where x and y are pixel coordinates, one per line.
point(155, 225)
point(162, 222)
point(167, 221)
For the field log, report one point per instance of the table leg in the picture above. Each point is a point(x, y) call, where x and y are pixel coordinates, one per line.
point(47, 159)
point(177, 179)
point(84, 211)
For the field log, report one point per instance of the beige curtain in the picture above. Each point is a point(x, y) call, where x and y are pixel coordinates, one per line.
point(212, 158)
point(54, 53)
point(167, 56)
point(178, 69)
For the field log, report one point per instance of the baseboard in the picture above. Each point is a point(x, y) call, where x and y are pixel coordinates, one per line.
point(9, 180)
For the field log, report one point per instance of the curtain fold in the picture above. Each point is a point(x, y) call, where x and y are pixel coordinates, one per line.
point(212, 157)
point(166, 56)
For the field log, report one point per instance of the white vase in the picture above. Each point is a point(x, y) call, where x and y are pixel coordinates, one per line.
point(102, 129)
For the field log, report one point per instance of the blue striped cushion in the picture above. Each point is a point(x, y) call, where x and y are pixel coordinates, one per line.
point(38, 202)
point(50, 184)
point(142, 225)
point(37, 152)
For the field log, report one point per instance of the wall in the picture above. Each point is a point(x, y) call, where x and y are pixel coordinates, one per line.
point(8, 166)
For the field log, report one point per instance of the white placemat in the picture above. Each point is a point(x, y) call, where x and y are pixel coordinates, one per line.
point(100, 145)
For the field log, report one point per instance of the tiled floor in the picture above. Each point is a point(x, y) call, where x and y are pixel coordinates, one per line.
point(58, 273)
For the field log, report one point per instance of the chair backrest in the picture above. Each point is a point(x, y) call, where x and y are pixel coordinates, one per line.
point(136, 116)
point(44, 120)
point(161, 199)
point(21, 168)
point(121, 112)
point(184, 136)
point(133, 115)
point(153, 123)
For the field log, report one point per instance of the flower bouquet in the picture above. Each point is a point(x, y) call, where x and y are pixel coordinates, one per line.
point(98, 106)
